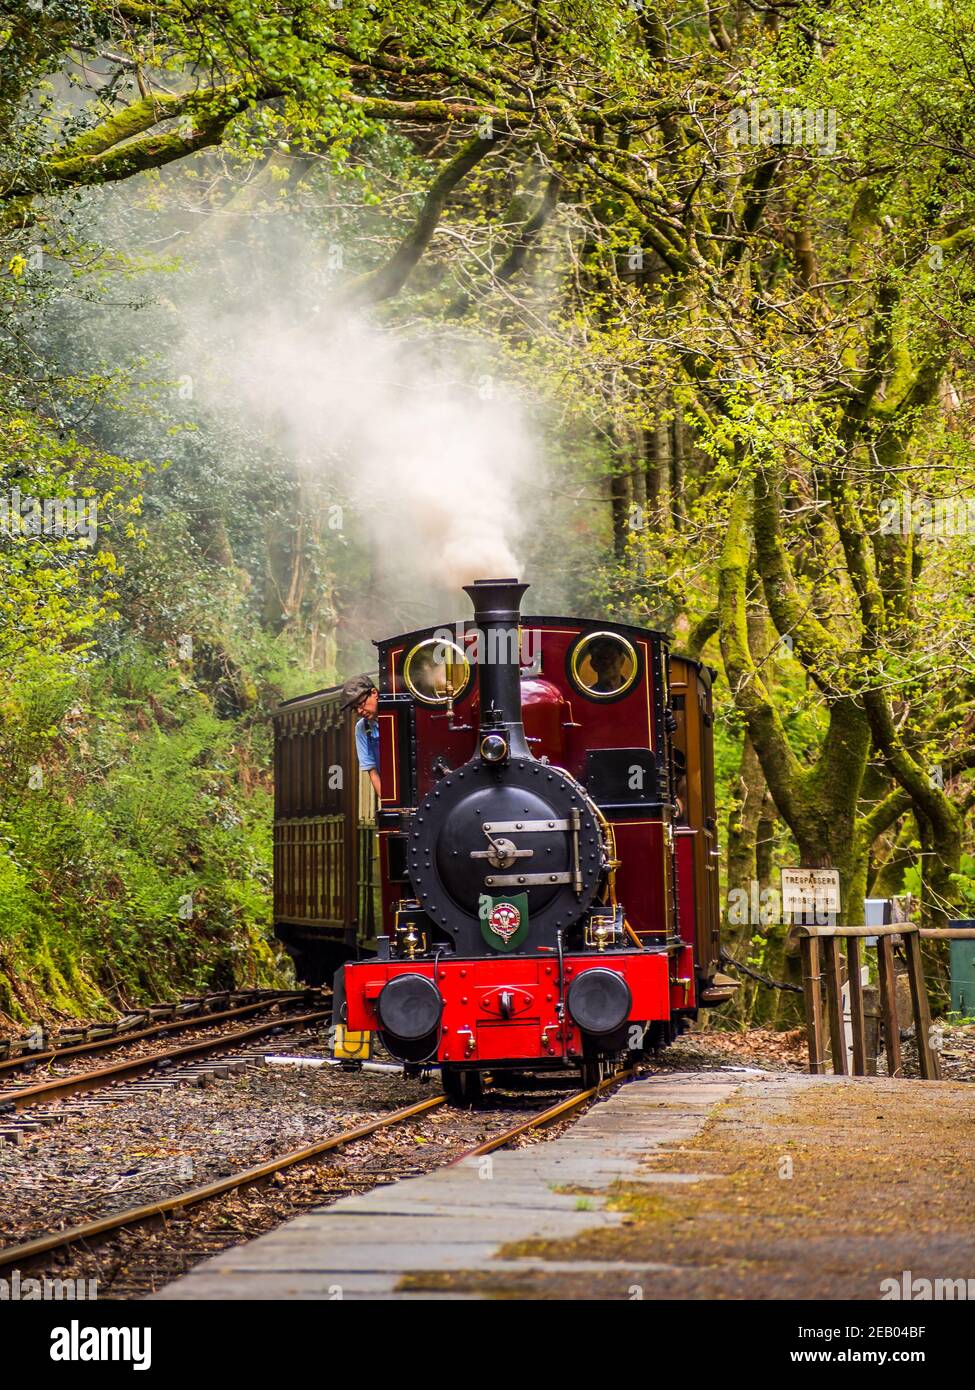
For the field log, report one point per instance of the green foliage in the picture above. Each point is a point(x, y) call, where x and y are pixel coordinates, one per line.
point(964, 881)
point(135, 850)
point(61, 503)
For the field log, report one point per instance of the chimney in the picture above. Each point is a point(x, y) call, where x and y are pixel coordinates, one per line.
point(497, 612)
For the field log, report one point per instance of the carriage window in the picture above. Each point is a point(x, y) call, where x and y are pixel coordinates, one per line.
point(678, 740)
point(604, 664)
point(435, 669)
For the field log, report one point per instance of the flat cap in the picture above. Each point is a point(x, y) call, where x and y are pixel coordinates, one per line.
point(355, 690)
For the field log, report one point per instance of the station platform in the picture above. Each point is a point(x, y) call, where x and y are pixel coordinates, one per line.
point(724, 1184)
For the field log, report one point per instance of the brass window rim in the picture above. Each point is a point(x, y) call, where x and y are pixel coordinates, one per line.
point(436, 700)
point(579, 651)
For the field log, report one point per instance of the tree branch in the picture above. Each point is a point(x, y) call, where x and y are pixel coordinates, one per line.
point(390, 278)
point(212, 111)
point(521, 246)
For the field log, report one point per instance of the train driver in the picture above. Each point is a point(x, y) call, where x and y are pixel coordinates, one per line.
point(360, 694)
point(607, 659)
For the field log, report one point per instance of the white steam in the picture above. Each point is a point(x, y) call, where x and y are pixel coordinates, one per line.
point(425, 451)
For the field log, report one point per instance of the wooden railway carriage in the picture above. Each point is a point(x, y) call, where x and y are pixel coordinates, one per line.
point(546, 844)
point(326, 871)
point(696, 826)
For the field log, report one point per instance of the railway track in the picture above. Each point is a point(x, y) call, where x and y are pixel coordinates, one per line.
point(155, 1019)
point(30, 1252)
point(554, 1112)
point(28, 1093)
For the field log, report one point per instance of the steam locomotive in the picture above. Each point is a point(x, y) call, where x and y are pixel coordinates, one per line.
point(537, 887)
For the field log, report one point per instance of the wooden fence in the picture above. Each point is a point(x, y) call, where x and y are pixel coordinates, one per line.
point(822, 959)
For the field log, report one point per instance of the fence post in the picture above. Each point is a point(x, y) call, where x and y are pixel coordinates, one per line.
point(927, 1058)
point(834, 1005)
point(888, 1005)
point(858, 1025)
point(823, 945)
point(812, 1000)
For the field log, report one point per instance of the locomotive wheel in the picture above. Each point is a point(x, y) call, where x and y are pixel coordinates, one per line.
point(592, 1071)
point(461, 1085)
point(316, 963)
point(310, 968)
point(659, 1035)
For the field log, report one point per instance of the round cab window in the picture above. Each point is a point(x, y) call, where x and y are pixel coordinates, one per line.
point(604, 665)
point(435, 671)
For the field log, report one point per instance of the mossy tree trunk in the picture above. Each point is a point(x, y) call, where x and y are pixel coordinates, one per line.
point(819, 802)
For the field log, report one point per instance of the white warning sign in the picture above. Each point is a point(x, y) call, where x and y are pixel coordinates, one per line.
point(810, 896)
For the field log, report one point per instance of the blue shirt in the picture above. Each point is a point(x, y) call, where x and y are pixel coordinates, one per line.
point(367, 743)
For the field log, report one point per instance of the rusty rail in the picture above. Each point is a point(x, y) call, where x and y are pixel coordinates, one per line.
point(185, 1024)
point(36, 1250)
point(61, 1086)
point(547, 1117)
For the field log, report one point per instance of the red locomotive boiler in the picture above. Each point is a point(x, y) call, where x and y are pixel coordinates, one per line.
point(547, 847)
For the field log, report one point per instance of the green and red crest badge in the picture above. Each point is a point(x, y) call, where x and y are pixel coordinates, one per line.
point(504, 921)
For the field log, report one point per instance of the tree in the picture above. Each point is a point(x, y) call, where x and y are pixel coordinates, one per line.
point(729, 251)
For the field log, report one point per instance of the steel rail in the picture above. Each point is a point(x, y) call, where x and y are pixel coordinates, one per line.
point(178, 1025)
point(31, 1250)
point(545, 1117)
point(103, 1076)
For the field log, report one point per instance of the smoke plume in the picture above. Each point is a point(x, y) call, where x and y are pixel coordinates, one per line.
point(426, 451)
